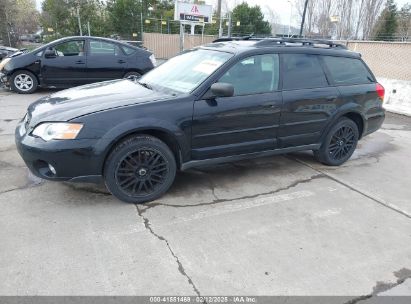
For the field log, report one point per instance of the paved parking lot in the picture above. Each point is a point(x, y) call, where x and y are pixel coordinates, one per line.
point(282, 225)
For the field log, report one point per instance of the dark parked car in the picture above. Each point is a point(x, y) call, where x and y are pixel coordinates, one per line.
point(222, 102)
point(74, 61)
point(6, 51)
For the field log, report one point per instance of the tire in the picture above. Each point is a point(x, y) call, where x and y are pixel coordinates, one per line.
point(132, 75)
point(139, 169)
point(23, 82)
point(339, 143)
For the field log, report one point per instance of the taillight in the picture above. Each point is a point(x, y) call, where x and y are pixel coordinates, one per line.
point(380, 91)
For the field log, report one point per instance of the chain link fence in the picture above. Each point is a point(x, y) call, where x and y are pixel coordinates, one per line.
point(386, 59)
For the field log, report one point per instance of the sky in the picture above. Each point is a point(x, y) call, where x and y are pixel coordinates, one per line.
point(283, 8)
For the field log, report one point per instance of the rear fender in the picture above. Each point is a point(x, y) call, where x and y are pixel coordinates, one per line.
point(344, 110)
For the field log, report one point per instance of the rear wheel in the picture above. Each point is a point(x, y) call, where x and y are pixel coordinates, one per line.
point(140, 169)
point(23, 82)
point(339, 144)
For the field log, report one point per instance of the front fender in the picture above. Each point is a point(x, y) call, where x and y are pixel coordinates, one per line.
point(114, 135)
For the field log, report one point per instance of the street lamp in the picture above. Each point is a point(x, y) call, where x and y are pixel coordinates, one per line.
point(335, 20)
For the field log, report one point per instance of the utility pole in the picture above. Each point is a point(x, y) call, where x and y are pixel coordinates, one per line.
point(291, 14)
point(302, 21)
point(141, 19)
point(79, 21)
point(229, 24)
point(220, 29)
point(88, 27)
point(8, 27)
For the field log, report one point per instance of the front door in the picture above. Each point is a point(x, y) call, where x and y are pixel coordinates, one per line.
point(246, 122)
point(68, 66)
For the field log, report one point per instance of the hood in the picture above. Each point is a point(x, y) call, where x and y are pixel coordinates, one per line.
point(68, 104)
point(17, 53)
point(9, 49)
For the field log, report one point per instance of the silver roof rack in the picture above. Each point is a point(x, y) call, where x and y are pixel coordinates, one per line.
point(286, 41)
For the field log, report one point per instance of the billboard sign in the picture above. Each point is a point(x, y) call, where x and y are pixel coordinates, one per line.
point(192, 12)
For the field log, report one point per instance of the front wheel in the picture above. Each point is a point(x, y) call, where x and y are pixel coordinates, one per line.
point(339, 143)
point(140, 169)
point(23, 82)
point(132, 75)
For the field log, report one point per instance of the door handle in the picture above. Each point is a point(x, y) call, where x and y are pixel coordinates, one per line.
point(331, 98)
point(79, 62)
point(121, 61)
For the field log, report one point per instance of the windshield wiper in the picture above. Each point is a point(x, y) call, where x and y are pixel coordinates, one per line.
point(146, 85)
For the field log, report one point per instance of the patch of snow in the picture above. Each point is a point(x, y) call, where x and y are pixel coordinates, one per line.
point(397, 95)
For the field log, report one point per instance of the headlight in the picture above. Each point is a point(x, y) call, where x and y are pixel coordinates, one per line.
point(57, 130)
point(153, 59)
point(4, 62)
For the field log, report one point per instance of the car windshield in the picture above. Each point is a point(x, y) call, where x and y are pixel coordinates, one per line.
point(185, 72)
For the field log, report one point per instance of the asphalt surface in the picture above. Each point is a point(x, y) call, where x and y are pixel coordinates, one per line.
point(283, 225)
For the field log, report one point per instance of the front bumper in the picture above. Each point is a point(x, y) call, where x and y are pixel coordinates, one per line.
point(4, 79)
point(73, 160)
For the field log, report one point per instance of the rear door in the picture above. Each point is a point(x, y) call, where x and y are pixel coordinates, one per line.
point(246, 122)
point(105, 60)
point(308, 100)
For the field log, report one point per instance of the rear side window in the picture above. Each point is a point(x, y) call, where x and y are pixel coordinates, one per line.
point(346, 71)
point(103, 48)
point(302, 71)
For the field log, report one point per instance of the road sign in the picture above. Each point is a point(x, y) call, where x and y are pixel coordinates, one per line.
point(193, 12)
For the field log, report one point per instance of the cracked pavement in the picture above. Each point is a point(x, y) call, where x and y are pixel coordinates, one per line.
point(283, 225)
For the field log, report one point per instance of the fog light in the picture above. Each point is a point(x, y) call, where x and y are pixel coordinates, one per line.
point(52, 169)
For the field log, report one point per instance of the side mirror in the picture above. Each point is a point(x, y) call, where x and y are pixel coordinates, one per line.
point(50, 53)
point(222, 89)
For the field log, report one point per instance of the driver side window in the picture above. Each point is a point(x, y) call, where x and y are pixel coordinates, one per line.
point(253, 75)
point(70, 48)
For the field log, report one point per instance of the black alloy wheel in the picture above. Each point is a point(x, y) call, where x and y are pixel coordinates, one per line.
point(140, 169)
point(339, 144)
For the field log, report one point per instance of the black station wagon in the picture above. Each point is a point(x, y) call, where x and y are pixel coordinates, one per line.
point(222, 102)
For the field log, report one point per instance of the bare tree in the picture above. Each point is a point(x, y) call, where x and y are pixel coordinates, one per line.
point(325, 9)
point(273, 18)
point(356, 18)
point(404, 22)
point(373, 9)
point(16, 18)
point(311, 16)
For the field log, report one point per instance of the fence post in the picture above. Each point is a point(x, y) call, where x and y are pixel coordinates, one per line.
point(181, 37)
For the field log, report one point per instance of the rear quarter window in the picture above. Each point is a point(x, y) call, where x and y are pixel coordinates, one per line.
point(347, 71)
point(128, 50)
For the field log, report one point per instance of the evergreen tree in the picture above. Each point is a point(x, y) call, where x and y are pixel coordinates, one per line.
point(251, 20)
point(387, 23)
